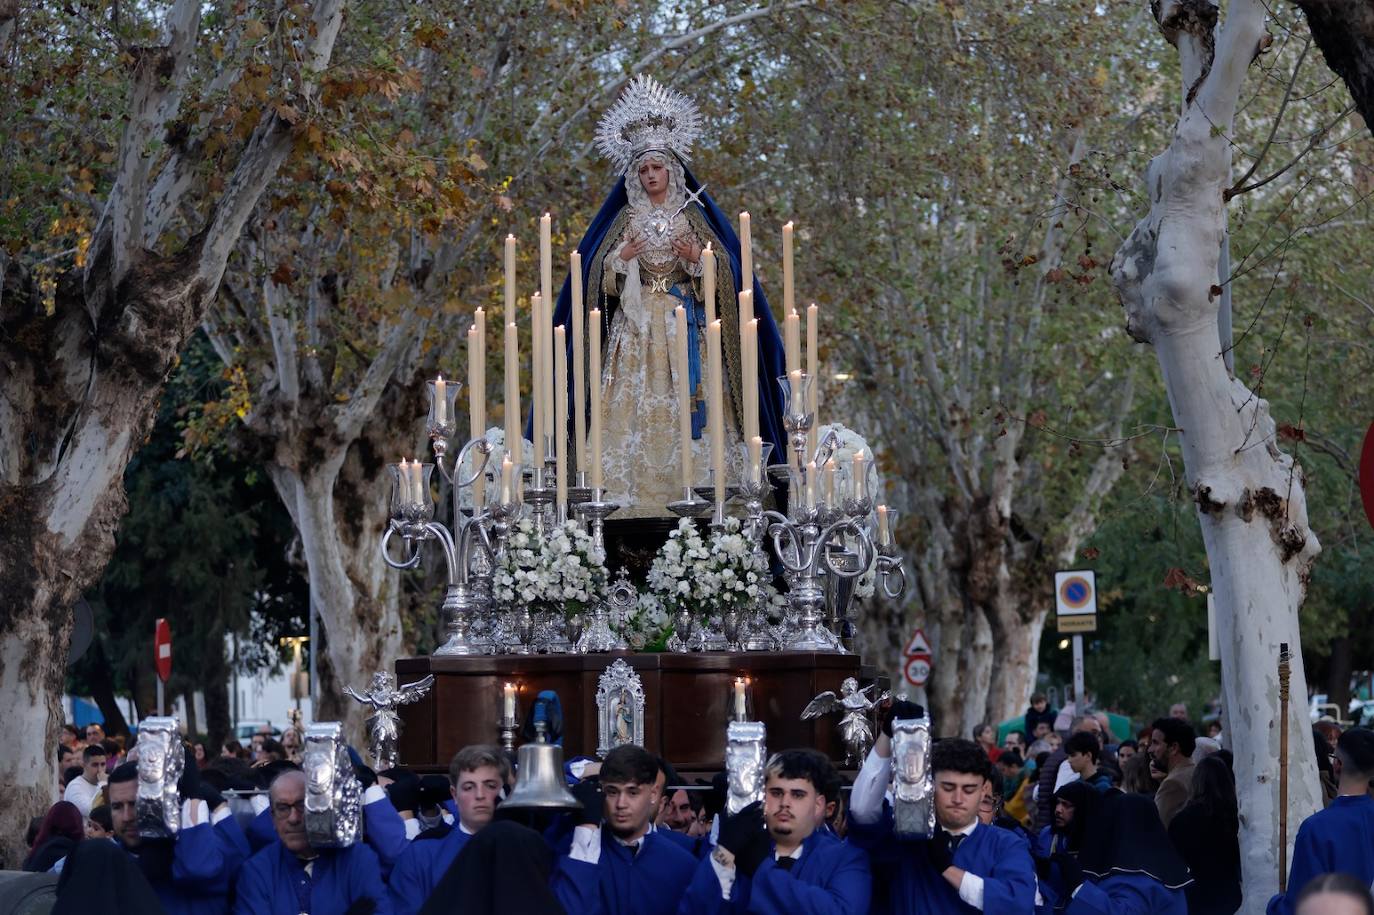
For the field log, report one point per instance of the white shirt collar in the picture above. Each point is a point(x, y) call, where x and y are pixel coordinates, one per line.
point(966, 831)
point(794, 854)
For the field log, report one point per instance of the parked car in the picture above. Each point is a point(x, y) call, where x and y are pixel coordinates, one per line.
point(245, 729)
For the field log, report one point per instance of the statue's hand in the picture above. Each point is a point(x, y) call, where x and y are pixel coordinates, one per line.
point(633, 248)
point(687, 249)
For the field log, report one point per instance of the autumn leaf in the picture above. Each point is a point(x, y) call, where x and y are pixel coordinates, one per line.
point(1091, 552)
point(1292, 433)
point(283, 275)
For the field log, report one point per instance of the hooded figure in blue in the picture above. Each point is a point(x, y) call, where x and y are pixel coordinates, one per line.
point(642, 259)
point(1127, 866)
point(966, 867)
point(291, 876)
point(777, 857)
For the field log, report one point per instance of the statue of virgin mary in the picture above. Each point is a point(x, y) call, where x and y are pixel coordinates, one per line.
point(641, 260)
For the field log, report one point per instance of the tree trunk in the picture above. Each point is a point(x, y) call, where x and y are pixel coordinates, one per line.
point(339, 505)
point(1339, 666)
point(1249, 495)
point(81, 389)
point(1344, 31)
point(102, 691)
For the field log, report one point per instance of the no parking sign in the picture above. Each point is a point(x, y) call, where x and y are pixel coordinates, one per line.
point(1075, 601)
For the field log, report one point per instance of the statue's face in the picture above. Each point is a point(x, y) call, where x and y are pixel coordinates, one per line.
point(849, 686)
point(653, 175)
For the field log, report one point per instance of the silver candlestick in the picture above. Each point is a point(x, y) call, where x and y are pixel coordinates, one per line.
point(597, 510)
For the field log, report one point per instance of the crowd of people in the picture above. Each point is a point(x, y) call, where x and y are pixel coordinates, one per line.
point(1064, 816)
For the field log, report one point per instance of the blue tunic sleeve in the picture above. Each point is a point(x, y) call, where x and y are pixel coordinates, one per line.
point(1127, 894)
point(363, 877)
point(199, 863)
point(253, 895)
point(702, 896)
point(774, 891)
point(1008, 874)
point(577, 887)
point(385, 832)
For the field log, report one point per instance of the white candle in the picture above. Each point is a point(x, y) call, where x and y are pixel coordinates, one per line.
point(560, 413)
point(715, 408)
point(477, 401)
point(579, 365)
point(791, 335)
point(810, 484)
point(755, 460)
point(860, 478)
point(684, 394)
point(794, 381)
point(741, 705)
point(507, 478)
point(510, 279)
point(417, 483)
point(789, 303)
point(403, 482)
point(750, 358)
point(594, 344)
point(508, 702)
point(884, 534)
point(514, 434)
point(708, 282)
point(440, 401)
point(746, 255)
point(537, 377)
point(546, 257)
point(813, 368)
point(828, 482)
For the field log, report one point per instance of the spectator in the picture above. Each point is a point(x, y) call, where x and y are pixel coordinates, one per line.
point(82, 791)
point(99, 824)
point(1341, 837)
point(1015, 740)
point(94, 734)
point(1057, 847)
point(71, 737)
point(776, 858)
point(292, 744)
point(1335, 894)
point(1179, 712)
point(198, 750)
point(1171, 752)
point(69, 774)
point(1135, 776)
point(1011, 773)
point(62, 828)
point(1214, 729)
point(67, 757)
point(232, 749)
point(676, 813)
point(270, 751)
point(1326, 773)
point(1039, 713)
point(1084, 752)
point(1056, 771)
point(985, 735)
point(1206, 833)
point(1124, 751)
point(328, 879)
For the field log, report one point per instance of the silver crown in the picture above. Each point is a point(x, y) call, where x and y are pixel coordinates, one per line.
point(648, 116)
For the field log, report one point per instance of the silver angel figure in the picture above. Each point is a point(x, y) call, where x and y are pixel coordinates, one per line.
point(856, 727)
point(384, 726)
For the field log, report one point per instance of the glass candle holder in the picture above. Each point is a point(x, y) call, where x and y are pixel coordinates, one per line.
point(754, 466)
point(443, 397)
point(411, 499)
point(796, 396)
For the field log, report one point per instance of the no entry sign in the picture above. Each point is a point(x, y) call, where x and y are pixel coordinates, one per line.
point(162, 649)
point(1367, 474)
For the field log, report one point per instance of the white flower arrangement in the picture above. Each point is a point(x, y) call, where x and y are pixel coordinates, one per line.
point(709, 577)
point(557, 571)
point(648, 626)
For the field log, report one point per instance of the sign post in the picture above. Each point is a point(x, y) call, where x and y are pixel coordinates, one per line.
point(162, 660)
point(917, 659)
point(1075, 600)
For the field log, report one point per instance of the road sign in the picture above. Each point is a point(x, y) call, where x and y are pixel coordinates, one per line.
point(919, 645)
point(1075, 601)
point(918, 669)
point(162, 649)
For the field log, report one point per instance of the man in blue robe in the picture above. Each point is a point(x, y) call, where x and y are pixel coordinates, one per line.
point(192, 873)
point(477, 775)
point(776, 858)
point(290, 876)
point(1058, 845)
point(639, 872)
point(965, 867)
point(1339, 839)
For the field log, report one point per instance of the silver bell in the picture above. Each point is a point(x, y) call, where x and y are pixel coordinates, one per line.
point(539, 783)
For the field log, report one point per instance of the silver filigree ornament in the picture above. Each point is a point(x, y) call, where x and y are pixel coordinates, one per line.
point(619, 708)
point(333, 794)
point(913, 783)
point(161, 762)
point(648, 117)
point(746, 755)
